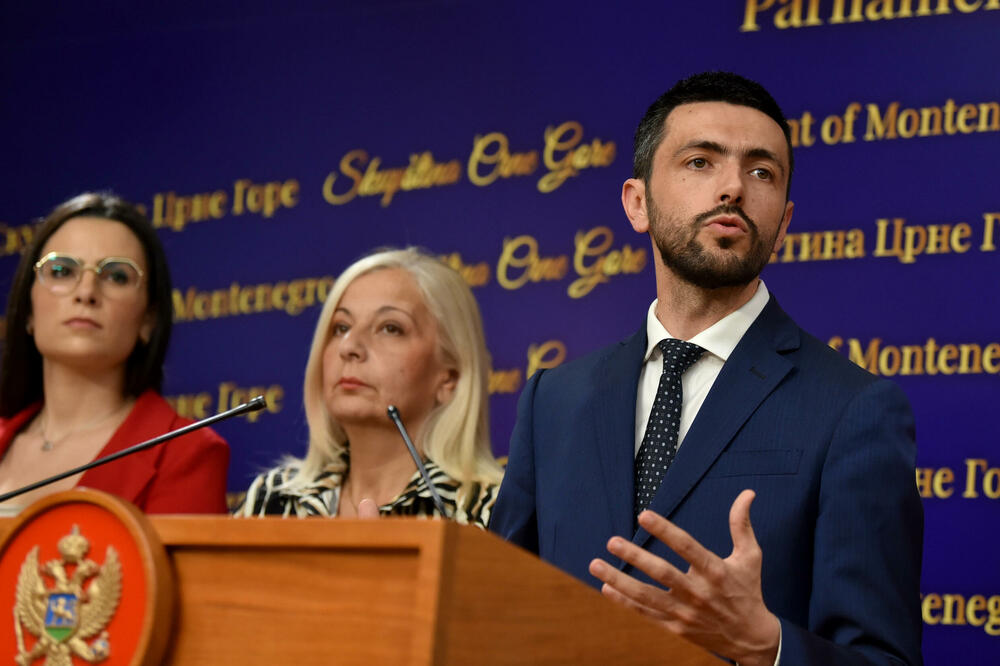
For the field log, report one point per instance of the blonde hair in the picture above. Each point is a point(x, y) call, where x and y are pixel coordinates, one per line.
point(456, 434)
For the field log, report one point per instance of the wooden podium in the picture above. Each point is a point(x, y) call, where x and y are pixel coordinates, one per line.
point(394, 591)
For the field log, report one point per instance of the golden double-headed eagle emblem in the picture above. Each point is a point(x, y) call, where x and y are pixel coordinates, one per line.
point(62, 617)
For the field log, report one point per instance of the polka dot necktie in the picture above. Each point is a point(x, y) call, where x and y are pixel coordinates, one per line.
point(659, 444)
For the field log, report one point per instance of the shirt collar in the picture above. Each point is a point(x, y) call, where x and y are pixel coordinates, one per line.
point(719, 339)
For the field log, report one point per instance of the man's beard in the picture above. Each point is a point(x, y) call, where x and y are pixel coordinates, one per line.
point(686, 256)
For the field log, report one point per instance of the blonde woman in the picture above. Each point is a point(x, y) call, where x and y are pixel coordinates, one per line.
point(398, 328)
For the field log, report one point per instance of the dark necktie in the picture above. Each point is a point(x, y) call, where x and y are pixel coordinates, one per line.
point(659, 443)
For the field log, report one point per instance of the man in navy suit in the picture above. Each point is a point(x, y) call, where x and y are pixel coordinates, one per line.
point(828, 570)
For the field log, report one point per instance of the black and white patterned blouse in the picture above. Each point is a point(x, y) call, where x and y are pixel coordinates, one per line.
point(321, 496)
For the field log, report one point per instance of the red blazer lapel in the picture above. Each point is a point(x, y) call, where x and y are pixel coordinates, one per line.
point(129, 477)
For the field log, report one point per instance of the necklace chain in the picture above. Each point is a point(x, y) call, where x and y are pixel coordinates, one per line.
point(50, 443)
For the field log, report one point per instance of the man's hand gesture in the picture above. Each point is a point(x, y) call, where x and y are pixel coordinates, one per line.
point(716, 604)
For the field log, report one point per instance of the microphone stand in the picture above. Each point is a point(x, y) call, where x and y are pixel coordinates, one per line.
point(252, 406)
point(438, 502)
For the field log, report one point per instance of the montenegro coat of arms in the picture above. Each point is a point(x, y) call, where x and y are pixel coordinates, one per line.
point(77, 606)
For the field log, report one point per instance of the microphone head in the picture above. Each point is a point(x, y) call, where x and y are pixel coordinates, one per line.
point(393, 412)
point(257, 403)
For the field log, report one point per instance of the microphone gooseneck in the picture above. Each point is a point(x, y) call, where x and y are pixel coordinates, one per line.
point(438, 502)
point(254, 405)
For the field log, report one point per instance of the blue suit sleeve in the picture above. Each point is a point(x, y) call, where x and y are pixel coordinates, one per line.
point(865, 601)
point(514, 516)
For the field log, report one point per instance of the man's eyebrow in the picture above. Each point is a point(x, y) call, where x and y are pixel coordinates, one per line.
point(704, 145)
point(765, 154)
point(726, 151)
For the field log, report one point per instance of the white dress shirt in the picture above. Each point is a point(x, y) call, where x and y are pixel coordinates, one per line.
point(718, 340)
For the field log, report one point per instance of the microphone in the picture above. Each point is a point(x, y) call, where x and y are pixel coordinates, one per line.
point(252, 406)
point(438, 502)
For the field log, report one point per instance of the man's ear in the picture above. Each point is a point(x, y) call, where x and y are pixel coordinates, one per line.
point(783, 227)
point(634, 203)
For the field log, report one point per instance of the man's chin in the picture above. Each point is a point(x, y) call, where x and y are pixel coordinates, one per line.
point(724, 238)
point(715, 270)
point(721, 254)
point(725, 242)
point(715, 281)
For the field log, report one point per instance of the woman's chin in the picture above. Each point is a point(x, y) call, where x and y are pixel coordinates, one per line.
point(84, 358)
point(366, 415)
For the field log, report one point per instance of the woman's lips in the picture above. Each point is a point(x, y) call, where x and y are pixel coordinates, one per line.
point(82, 323)
point(351, 383)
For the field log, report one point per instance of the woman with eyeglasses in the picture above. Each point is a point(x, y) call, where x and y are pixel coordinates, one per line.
point(88, 322)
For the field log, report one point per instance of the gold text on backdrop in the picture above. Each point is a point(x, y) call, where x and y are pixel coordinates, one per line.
point(894, 238)
point(928, 358)
point(594, 246)
point(981, 480)
point(290, 297)
point(807, 13)
point(228, 394)
point(955, 609)
point(894, 121)
point(422, 172)
point(521, 263)
point(821, 246)
point(177, 211)
point(16, 239)
point(475, 275)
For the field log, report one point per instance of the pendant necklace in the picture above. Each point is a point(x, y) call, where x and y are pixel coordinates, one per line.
point(49, 443)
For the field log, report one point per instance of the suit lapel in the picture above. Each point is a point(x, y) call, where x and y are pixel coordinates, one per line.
point(617, 384)
point(750, 374)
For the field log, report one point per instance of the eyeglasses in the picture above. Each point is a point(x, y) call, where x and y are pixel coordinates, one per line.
point(61, 273)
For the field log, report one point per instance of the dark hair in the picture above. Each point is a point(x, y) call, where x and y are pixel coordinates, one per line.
point(21, 363)
point(704, 87)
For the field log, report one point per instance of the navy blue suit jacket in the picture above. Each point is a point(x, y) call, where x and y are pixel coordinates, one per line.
point(827, 447)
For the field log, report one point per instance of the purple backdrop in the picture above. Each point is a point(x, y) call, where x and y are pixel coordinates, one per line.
point(220, 99)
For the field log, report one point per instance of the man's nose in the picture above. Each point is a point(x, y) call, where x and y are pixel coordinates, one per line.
point(731, 185)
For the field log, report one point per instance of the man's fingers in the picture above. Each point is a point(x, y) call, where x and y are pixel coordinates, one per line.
point(655, 567)
point(677, 539)
point(627, 590)
point(607, 574)
point(739, 523)
point(613, 594)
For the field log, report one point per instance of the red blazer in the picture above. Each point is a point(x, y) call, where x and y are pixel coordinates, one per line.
point(184, 475)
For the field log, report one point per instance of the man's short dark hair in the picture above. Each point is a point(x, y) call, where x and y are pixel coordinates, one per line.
point(704, 87)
